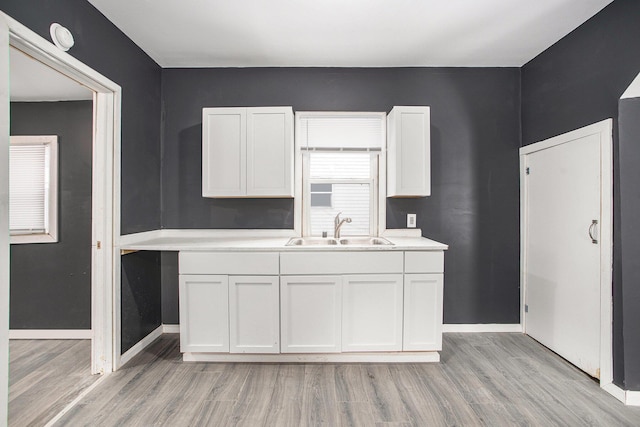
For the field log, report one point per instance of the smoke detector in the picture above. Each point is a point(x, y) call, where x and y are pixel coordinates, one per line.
point(61, 37)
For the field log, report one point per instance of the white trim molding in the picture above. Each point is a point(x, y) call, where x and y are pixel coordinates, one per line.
point(140, 346)
point(75, 401)
point(105, 210)
point(170, 329)
point(628, 397)
point(632, 398)
point(482, 327)
point(50, 334)
point(373, 357)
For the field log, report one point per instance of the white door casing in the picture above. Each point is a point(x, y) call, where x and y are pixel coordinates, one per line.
point(105, 185)
point(566, 200)
point(4, 220)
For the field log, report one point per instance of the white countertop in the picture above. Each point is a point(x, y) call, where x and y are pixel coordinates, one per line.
point(262, 240)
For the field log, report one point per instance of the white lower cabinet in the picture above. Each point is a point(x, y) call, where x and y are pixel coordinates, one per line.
point(254, 305)
point(372, 312)
point(254, 314)
point(423, 312)
point(204, 313)
point(310, 314)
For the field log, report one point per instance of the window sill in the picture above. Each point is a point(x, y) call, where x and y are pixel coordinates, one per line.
point(17, 239)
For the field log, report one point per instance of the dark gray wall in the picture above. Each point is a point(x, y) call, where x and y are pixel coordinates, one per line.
point(475, 138)
point(170, 312)
point(577, 82)
point(629, 121)
point(51, 282)
point(141, 296)
point(103, 47)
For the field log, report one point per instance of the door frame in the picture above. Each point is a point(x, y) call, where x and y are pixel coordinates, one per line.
point(605, 130)
point(105, 186)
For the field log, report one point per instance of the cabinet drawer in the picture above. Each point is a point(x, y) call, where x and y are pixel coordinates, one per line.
point(340, 262)
point(424, 262)
point(241, 263)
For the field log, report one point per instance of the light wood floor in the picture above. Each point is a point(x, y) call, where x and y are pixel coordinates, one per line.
point(483, 379)
point(45, 376)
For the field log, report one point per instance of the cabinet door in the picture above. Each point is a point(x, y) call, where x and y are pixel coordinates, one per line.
point(254, 314)
point(310, 317)
point(409, 152)
point(204, 313)
point(422, 312)
point(224, 152)
point(270, 152)
point(372, 312)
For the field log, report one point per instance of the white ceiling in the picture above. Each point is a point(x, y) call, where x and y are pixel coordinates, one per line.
point(346, 33)
point(32, 81)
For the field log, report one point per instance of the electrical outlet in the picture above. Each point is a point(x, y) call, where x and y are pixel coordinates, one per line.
point(411, 220)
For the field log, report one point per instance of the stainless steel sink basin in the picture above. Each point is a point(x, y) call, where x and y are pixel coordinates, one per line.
point(365, 241)
point(311, 241)
point(351, 241)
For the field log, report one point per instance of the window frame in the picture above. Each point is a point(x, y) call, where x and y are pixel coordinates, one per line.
point(379, 178)
point(50, 235)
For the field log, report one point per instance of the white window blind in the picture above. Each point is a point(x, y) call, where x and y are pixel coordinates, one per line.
point(350, 177)
point(31, 177)
point(350, 131)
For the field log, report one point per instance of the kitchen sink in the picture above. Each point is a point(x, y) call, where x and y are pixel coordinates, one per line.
point(365, 241)
point(311, 241)
point(352, 241)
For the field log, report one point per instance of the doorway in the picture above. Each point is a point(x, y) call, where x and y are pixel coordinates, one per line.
point(566, 254)
point(50, 284)
point(105, 201)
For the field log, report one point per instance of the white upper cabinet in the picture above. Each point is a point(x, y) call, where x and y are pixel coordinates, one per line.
point(247, 152)
point(409, 152)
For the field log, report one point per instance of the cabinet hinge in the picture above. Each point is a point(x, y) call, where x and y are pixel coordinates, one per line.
point(526, 308)
point(99, 244)
point(527, 171)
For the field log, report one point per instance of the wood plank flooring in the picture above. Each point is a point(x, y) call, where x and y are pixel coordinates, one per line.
point(483, 380)
point(45, 376)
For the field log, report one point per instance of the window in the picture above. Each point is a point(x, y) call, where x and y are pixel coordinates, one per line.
point(321, 195)
point(33, 192)
point(342, 154)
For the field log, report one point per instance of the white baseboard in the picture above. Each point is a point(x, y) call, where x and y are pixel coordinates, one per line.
point(628, 397)
point(633, 398)
point(50, 334)
point(615, 391)
point(373, 357)
point(140, 345)
point(171, 329)
point(482, 327)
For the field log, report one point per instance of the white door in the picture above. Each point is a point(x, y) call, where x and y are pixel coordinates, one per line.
point(270, 151)
point(254, 314)
point(423, 312)
point(372, 312)
point(204, 313)
point(562, 243)
point(310, 315)
point(224, 136)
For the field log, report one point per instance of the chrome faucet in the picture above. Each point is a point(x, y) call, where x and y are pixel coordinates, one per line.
point(338, 224)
